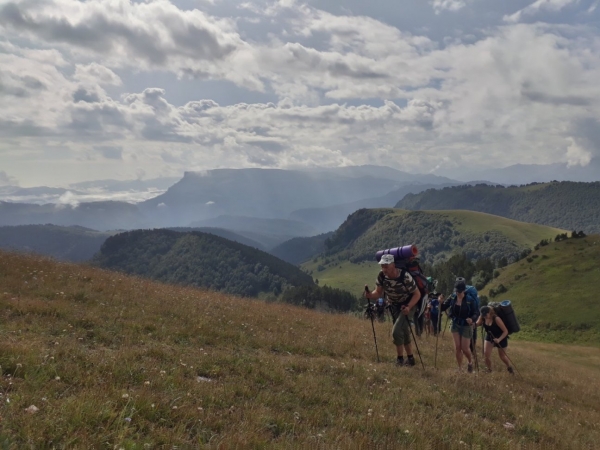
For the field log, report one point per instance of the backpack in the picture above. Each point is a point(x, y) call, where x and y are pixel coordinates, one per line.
point(505, 311)
point(425, 285)
point(472, 299)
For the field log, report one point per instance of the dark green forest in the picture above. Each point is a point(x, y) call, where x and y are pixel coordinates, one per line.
point(72, 243)
point(199, 259)
point(567, 205)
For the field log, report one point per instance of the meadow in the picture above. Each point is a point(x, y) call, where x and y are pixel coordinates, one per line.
point(95, 359)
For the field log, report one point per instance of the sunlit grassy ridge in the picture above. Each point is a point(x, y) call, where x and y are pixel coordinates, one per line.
point(352, 277)
point(555, 291)
point(115, 361)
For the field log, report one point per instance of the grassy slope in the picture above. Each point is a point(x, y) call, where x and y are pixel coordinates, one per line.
point(353, 277)
point(114, 361)
point(556, 293)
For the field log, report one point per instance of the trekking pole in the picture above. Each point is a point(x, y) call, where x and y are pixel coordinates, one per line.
point(445, 326)
point(506, 354)
point(482, 343)
point(437, 336)
point(475, 349)
point(372, 322)
point(415, 341)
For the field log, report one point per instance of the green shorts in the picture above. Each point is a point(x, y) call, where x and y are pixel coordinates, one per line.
point(401, 330)
point(465, 331)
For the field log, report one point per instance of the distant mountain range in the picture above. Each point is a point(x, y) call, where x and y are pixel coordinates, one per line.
point(566, 205)
point(199, 198)
point(519, 174)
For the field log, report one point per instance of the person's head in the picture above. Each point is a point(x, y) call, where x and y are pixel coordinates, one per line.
point(487, 312)
point(387, 265)
point(441, 298)
point(460, 285)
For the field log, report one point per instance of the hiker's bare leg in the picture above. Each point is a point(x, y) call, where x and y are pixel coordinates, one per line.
point(466, 348)
point(457, 349)
point(488, 347)
point(503, 357)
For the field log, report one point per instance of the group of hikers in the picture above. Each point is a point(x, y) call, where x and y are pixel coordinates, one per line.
point(397, 291)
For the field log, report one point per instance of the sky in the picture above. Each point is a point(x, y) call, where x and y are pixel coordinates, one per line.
point(119, 89)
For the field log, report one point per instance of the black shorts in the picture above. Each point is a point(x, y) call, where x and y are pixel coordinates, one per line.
point(503, 342)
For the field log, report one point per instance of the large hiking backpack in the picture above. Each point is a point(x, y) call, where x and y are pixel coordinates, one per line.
point(471, 297)
point(505, 311)
point(405, 259)
point(425, 285)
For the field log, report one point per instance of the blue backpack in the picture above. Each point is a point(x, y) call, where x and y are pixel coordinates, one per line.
point(472, 299)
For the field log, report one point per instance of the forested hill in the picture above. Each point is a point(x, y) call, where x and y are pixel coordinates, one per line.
point(199, 259)
point(437, 234)
point(566, 205)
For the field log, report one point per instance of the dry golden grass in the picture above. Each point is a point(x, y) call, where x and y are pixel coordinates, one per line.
point(118, 362)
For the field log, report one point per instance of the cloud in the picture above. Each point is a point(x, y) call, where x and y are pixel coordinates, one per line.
point(336, 89)
point(109, 151)
point(7, 180)
point(450, 5)
point(576, 155)
point(537, 6)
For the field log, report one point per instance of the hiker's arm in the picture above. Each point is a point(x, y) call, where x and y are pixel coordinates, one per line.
point(376, 293)
point(413, 301)
point(503, 328)
point(479, 321)
point(444, 306)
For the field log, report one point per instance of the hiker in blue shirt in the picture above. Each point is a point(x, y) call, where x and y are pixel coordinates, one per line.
point(434, 312)
point(464, 311)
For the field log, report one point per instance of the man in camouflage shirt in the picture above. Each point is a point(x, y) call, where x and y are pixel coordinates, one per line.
point(403, 295)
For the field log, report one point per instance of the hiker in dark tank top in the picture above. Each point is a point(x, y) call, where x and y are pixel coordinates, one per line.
point(464, 311)
point(496, 336)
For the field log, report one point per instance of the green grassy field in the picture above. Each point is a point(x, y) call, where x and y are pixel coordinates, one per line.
point(555, 291)
point(526, 234)
point(95, 359)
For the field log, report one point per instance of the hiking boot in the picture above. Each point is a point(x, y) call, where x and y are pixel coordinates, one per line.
point(410, 362)
point(470, 368)
point(510, 370)
point(400, 362)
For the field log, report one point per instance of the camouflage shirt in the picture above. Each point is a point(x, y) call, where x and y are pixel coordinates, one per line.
point(395, 290)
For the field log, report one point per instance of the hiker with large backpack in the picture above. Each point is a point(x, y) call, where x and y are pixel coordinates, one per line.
point(403, 295)
point(496, 336)
point(463, 307)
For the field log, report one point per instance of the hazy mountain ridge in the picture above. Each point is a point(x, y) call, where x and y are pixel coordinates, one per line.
point(566, 205)
point(64, 243)
point(536, 173)
point(257, 193)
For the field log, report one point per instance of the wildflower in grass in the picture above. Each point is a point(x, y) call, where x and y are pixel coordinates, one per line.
point(32, 409)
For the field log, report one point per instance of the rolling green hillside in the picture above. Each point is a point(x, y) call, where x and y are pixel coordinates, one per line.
point(300, 249)
point(199, 259)
point(555, 291)
point(94, 359)
point(349, 262)
point(72, 243)
point(567, 205)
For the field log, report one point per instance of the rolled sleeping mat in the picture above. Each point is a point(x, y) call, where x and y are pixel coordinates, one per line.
point(399, 253)
point(509, 317)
